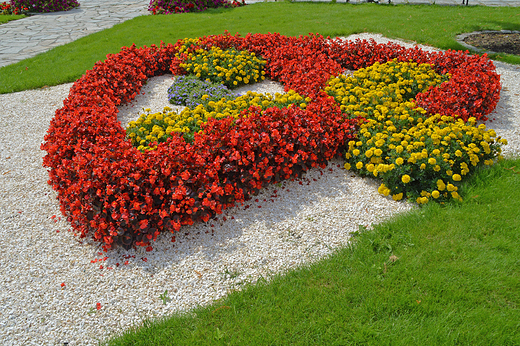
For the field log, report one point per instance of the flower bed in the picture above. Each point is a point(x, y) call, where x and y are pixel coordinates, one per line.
point(8, 8)
point(110, 190)
point(45, 5)
point(185, 6)
point(417, 156)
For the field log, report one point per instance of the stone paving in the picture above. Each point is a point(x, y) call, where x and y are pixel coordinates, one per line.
point(27, 37)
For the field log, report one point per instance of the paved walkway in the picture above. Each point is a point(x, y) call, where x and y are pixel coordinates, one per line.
point(25, 38)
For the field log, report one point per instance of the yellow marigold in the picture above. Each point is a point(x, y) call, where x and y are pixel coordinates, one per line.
point(435, 194)
point(422, 200)
point(405, 178)
point(399, 161)
point(452, 187)
point(397, 197)
point(440, 185)
point(347, 166)
point(378, 152)
point(432, 161)
point(456, 196)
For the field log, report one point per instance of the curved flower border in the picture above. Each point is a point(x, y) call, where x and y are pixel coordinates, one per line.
point(118, 195)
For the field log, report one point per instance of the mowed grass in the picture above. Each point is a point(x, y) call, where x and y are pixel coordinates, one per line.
point(440, 275)
point(4, 18)
point(427, 24)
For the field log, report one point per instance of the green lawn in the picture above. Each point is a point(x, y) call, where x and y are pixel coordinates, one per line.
point(4, 18)
point(427, 24)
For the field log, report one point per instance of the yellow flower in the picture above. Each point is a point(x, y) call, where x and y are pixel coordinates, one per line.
point(422, 200)
point(456, 177)
point(359, 165)
point(452, 187)
point(405, 178)
point(432, 161)
point(356, 152)
point(399, 161)
point(456, 196)
point(435, 194)
point(440, 185)
point(347, 166)
point(397, 197)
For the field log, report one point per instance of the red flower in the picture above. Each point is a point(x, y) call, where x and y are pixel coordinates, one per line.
point(110, 191)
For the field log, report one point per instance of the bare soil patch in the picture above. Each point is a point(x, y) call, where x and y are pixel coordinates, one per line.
point(496, 41)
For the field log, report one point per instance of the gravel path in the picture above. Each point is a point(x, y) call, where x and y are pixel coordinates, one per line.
point(52, 281)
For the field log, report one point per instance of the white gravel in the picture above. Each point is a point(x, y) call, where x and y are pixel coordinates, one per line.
point(302, 221)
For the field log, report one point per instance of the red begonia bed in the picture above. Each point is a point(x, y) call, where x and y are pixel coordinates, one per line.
point(118, 195)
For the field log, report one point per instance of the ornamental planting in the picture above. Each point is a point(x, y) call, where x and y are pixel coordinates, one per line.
point(111, 189)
